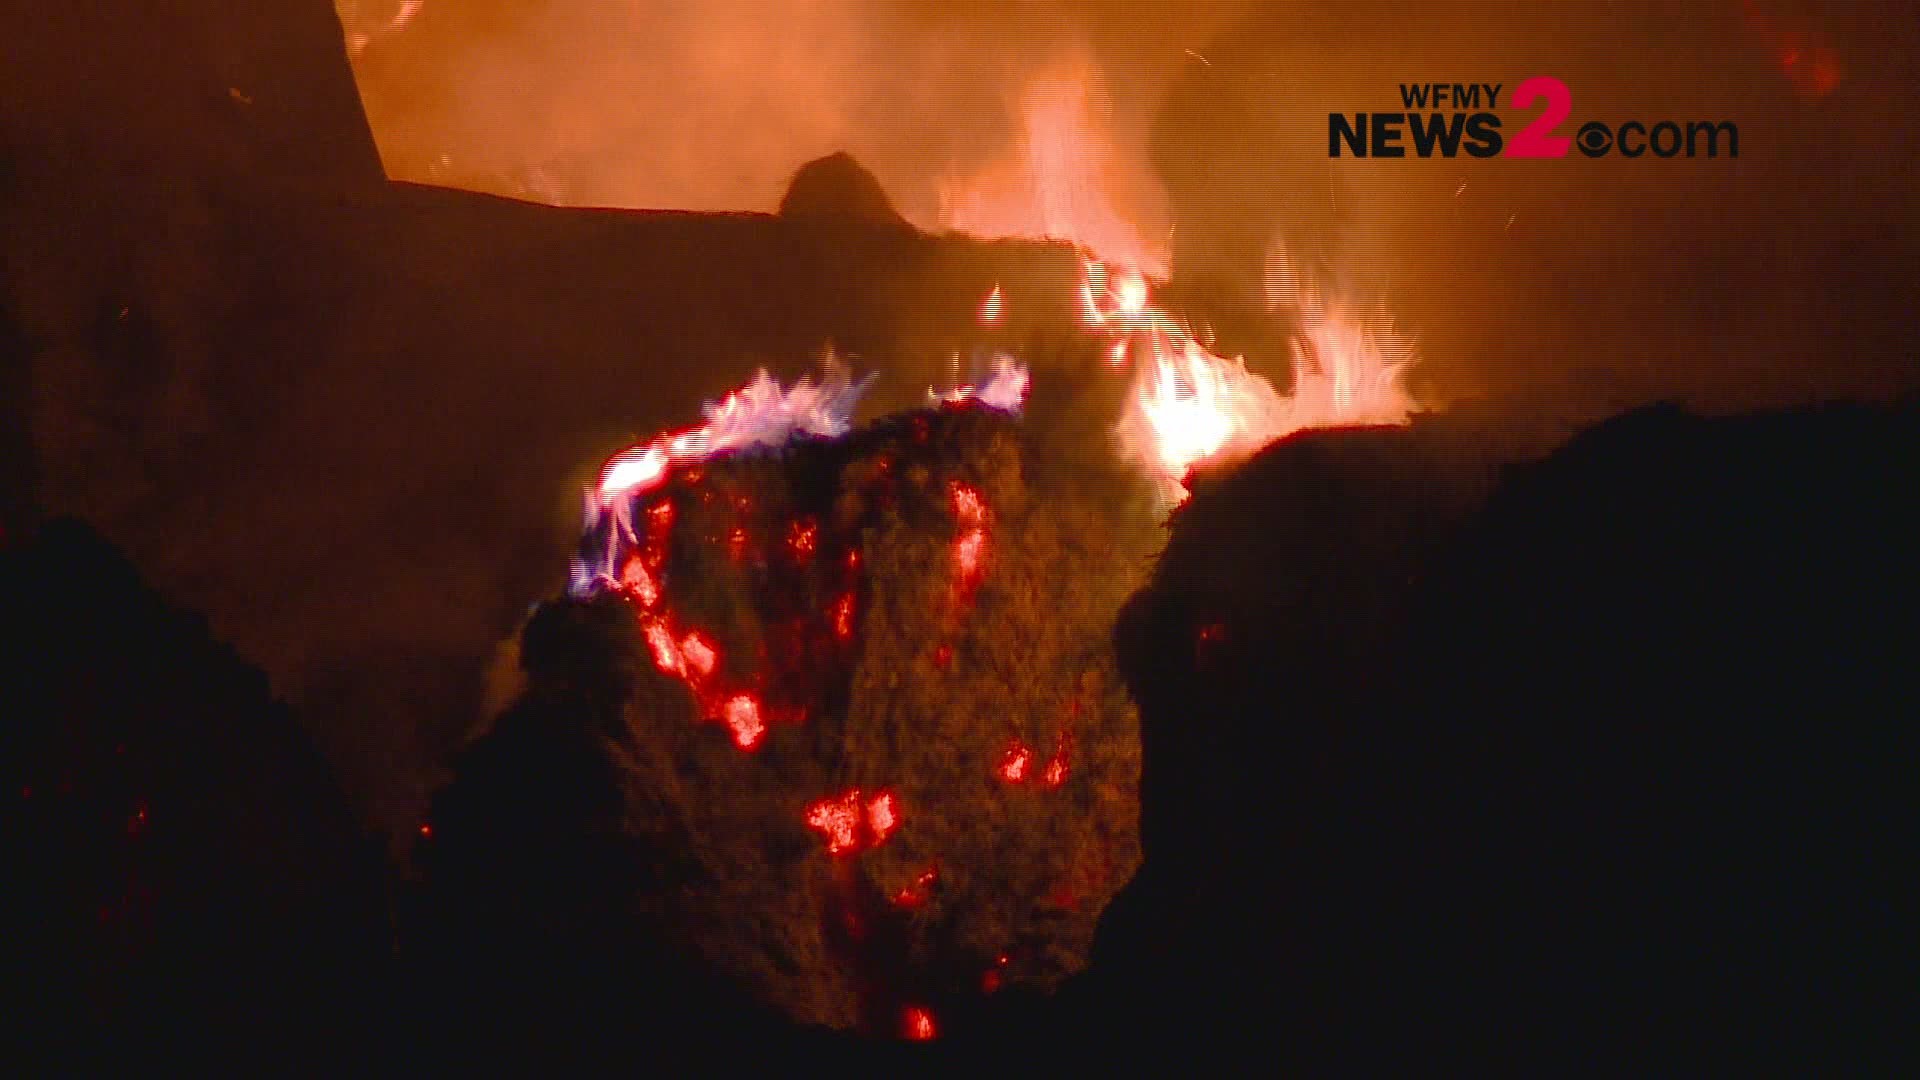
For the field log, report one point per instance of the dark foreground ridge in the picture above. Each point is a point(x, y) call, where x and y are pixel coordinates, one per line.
point(1601, 759)
point(1616, 769)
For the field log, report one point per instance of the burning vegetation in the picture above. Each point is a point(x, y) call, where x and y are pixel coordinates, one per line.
point(863, 698)
point(860, 682)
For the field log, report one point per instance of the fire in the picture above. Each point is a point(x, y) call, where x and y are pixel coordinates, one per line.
point(1186, 405)
point(838, 820)
point(1189, 406)
point(758, 414)
point(1063, 183)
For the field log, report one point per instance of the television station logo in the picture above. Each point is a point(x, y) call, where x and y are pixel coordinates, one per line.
point(1471, 124)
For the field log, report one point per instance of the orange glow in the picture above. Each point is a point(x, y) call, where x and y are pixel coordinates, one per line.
point(1064, 182)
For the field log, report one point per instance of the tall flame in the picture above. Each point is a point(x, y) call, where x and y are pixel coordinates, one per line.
point(1188, 405)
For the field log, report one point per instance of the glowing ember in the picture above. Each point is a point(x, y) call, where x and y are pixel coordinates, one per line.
point(666, 653)
point(968, 506)
point(968, 553)
point(917, 1024)
point(639, 582)
point(802, 539)
point(1056, 773)
point(838, 820)
point(990, 310)
point(843, 617)
point(742, 715)
point(699, 654)
point(915, 896)
point(1014, 763)
point(883, 815)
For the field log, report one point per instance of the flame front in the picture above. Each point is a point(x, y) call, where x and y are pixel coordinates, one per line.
point(1188, 405)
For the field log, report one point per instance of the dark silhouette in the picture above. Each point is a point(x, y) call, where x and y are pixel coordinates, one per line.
point(1615, 771)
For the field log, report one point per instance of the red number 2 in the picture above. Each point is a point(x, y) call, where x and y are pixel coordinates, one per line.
point(1535, 140)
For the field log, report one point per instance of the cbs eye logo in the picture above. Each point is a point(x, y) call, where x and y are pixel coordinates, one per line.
point(1665, 139)
point(1594, 139)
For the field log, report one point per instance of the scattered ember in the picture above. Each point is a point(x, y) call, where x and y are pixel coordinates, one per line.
point(1211, 637)
point(915, 896)
point(943, 657)
point(802, 539)
point(990, 982)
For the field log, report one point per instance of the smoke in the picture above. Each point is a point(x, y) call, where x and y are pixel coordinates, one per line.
point(712, 106)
